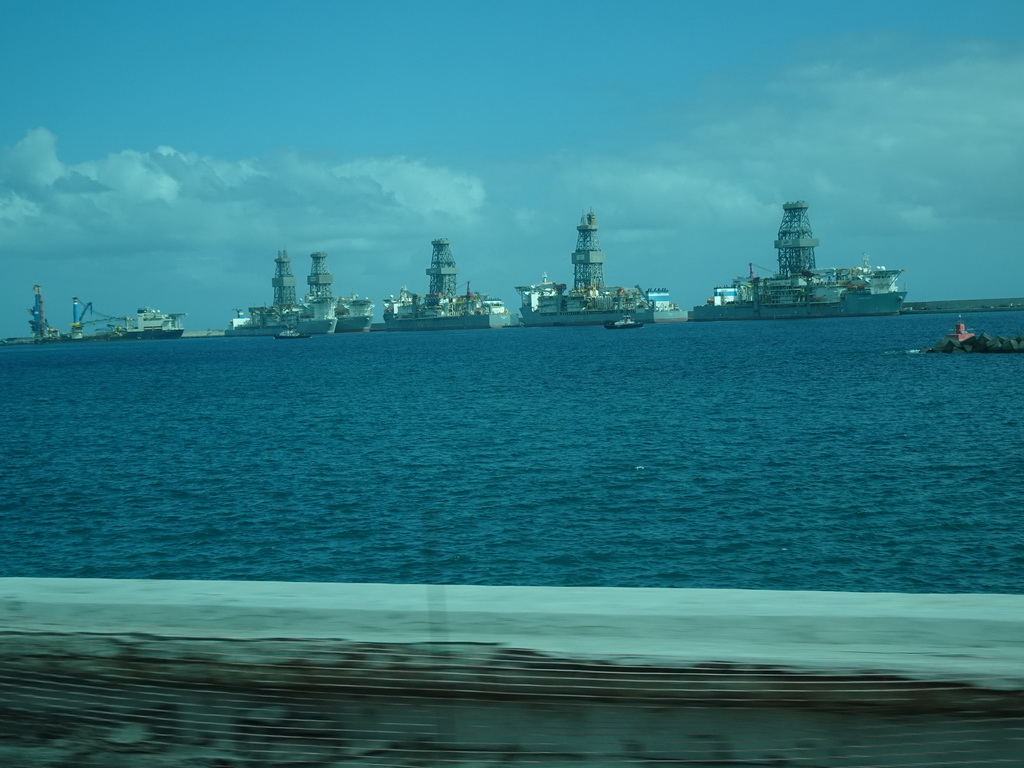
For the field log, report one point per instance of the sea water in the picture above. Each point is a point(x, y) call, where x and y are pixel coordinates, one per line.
point(817, 455)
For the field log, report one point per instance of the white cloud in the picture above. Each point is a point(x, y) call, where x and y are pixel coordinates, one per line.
point(32, 163)
point(14, 208)
point(165, 198)
point(417, 187)
point(945, 135)
point(132, 176)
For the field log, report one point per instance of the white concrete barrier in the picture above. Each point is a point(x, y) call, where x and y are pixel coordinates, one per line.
point(259, 675)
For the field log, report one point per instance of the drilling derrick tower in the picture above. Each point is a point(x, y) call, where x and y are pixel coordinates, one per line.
point(442, 270)
point(588, 258)
point(321, 282)
point(284, 281)
point(796, 241)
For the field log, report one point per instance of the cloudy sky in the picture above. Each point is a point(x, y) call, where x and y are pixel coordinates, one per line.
point(161, 153)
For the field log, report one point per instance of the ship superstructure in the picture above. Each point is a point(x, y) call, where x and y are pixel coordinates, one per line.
point(799, 289)
point(590, 301)
point(444, 309)
point(319, 311)
point(665, 310)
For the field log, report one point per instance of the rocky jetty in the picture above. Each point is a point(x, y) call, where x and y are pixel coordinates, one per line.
point(960, 340)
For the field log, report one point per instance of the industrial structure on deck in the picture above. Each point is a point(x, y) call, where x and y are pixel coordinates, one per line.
point(590, 301)
point(799, 289)
point(319, 312)
point(443, 309)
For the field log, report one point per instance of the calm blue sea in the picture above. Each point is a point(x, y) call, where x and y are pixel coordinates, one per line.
point(818, 455)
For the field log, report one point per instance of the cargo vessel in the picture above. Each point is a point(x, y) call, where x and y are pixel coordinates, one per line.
point(319, 312)
point(590, 301)
point(442, 309)
point(800, 290)
point(150, 323)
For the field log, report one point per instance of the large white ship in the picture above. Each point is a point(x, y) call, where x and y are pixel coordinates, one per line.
point(550, 303)
point(151, 323)
point(268, 321)
point(148, 323)
point(442, 309)
point(590, 301)
point(799, 289)
point(411, 312)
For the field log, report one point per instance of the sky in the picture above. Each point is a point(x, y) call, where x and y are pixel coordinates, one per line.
point(161, 154)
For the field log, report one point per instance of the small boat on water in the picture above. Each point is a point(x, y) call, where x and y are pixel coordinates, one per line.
point(622, 324)
point(291, 333)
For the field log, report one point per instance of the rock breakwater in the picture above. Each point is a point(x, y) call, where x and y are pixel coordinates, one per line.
point(980, 343)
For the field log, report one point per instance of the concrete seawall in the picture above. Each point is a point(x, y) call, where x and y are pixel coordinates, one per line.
point(260, 675)
point(1015, 304)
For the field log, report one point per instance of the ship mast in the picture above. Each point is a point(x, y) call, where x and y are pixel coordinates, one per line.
point(588, 258)
point(442, 270)
point(796, 241)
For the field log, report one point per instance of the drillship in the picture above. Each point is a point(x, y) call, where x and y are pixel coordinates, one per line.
point(442, 309)
point(590, 302)
point(320, 312)
point(799, 289)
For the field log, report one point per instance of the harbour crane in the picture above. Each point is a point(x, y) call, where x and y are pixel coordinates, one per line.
point(79, 322)
point(643, 298)
point(40, 328)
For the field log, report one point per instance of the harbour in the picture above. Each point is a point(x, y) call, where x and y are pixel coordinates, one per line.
point(799, 289)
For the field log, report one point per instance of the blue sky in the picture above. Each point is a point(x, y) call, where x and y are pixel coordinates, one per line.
point(161, 154)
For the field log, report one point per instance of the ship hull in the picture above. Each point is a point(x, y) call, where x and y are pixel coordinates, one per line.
point(303, 326)
point(535, 319)
point(851, 305)
point(670, 316)
point(353, 324)
point(153, 333)
point(453, 323)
